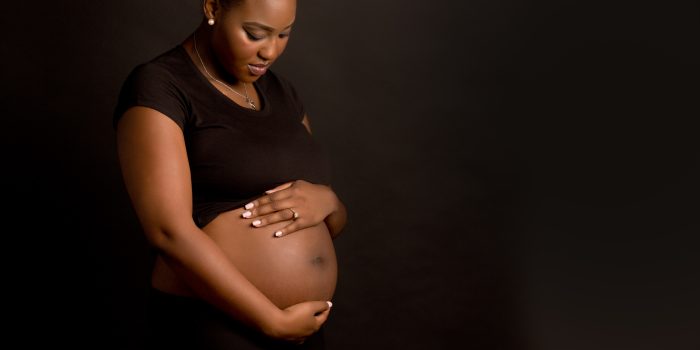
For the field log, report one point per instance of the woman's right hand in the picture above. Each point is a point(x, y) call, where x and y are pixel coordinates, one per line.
point(299, 321)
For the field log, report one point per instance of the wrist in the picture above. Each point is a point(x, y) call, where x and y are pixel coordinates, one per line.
point(272, 324)
point(333, 200)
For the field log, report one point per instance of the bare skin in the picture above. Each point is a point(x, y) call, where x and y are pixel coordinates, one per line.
point(288, 270)
point(266, 281)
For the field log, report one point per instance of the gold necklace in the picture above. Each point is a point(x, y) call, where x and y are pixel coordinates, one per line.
point(247, 99)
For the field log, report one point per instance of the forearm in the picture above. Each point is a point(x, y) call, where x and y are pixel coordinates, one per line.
point(208, 272)
point(337, 219)
point(155, 167)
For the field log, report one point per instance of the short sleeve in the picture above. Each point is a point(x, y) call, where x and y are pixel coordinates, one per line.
point(296, 102)
point(291, 96)
point(149, 85)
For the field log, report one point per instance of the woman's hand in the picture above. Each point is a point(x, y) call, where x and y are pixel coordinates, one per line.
point(299, 321)
point(304, 203)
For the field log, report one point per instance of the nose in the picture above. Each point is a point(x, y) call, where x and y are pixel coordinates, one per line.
point(270, 50)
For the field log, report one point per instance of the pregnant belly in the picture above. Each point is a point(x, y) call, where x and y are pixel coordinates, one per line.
point(298, 267)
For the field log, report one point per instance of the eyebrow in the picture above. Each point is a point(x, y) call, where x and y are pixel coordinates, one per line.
point(264, 27)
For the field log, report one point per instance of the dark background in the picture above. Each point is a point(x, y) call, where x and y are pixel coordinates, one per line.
point(518, 175)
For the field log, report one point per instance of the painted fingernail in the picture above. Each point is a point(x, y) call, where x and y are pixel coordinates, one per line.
point(330, 305)
point(246, 214)
point(249, 205)
point(278, 233)
point(257, 223)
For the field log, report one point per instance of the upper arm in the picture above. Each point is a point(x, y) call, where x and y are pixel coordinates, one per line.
point(154, 165)
point(306, 123)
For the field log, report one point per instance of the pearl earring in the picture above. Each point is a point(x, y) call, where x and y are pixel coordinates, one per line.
point(210, 21)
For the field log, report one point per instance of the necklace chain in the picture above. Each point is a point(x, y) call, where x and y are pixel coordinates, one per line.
point(247, 99)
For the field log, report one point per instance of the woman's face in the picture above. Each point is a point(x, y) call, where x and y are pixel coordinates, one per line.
point(249, 37)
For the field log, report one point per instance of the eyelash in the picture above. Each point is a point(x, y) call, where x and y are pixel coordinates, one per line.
point(251, 36)
point(255, 38)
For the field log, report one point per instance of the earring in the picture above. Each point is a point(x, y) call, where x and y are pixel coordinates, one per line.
point(210, 21)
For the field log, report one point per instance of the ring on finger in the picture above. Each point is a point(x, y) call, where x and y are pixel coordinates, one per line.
point(295, 215)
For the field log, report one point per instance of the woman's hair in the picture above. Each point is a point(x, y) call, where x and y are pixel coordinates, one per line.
point(227, 4)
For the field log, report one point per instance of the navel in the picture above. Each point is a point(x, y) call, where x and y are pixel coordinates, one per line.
point(318, 260)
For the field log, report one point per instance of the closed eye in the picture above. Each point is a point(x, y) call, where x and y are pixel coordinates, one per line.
point(251, 36)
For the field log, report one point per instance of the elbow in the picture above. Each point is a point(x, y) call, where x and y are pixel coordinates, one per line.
point(161, 237)
point(164, 229)
point(335, 227)
point(157, 239)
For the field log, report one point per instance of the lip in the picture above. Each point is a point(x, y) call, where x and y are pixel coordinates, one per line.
point(258, 69)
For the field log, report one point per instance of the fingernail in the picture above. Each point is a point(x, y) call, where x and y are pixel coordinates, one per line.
point(246, 214)
point(257, 223)
point(330, 305)
point(278, 233)
point(249, 205)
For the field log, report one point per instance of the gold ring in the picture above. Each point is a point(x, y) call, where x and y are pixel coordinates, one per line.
point(294, 214)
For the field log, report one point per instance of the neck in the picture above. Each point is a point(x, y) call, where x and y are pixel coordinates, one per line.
point(204, 47)
point(210, 76)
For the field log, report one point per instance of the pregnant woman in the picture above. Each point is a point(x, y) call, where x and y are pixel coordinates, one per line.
point(230, 187)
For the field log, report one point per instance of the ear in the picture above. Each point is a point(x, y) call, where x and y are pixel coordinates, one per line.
point(211, 8)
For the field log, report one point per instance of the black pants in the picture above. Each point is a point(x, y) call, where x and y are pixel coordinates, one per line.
point(176, 322)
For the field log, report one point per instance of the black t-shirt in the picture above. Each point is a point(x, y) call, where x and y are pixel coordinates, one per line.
point(235, 153)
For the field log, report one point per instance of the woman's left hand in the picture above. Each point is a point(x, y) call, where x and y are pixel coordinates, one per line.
point(304, 203)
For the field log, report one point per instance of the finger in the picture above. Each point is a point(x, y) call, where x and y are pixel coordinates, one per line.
point(258, 202)
point(322, 313)
point(322, 318)
point(277, 195)
point(267, 199)
point(319, 306)
point(268, 208)
point(280, 187)
point(282, 215)
point(293, 227)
